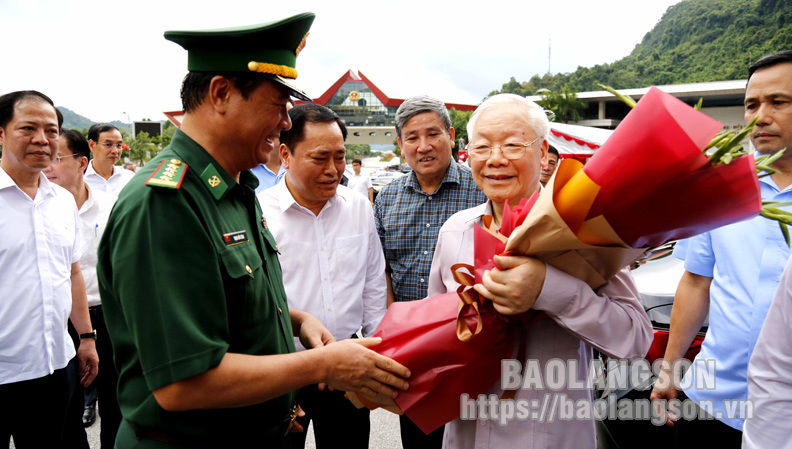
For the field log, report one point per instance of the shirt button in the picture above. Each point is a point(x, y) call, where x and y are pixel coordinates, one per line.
point(426, 252)
point(280, 311)
point(422, 280)
point(321, 248)
point(325, 278)
point(430, 197)
point(330, 308)
point(249, 270)
point(427, 225)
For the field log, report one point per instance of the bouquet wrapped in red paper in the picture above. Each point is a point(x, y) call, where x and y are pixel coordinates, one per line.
point(648, 184)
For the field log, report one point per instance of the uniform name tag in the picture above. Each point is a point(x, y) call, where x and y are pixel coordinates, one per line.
point(235, 238)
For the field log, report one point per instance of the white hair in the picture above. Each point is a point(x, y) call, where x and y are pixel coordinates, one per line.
point(536, 115)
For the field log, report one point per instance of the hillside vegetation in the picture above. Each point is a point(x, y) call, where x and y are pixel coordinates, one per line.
point(695, 41)
point(73, 120)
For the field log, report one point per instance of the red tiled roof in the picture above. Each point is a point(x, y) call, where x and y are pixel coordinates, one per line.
point(387, 101)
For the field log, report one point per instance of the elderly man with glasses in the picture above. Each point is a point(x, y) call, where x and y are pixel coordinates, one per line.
point(93, 207)
point(102, 173)
point(507, 147)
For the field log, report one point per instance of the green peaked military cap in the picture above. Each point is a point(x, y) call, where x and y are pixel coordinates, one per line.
point(269, 48)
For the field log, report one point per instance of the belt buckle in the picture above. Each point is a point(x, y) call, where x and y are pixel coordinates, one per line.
point(289, 421)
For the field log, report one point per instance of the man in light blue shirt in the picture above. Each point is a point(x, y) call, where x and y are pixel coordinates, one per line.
point(732, 273)
point(267, 177)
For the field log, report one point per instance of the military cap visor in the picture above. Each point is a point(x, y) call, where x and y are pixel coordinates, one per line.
point(269, 48)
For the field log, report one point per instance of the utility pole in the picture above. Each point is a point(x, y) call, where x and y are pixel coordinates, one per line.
point(549, 51)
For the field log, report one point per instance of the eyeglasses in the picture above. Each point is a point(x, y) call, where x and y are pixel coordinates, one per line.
point(509, 150)
point(57, 159)
point(120, 146)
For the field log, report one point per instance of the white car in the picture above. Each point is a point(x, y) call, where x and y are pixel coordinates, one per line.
point(380, 179)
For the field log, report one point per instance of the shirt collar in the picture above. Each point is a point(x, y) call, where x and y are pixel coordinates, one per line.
point(91, 197)
point(91, 171)
point(5, 180)
point(198, 160)
point(44, 187)
point(486, 208)
point(772, 184)
point(281, 170)
point(286, 199)
point(452, 175)
point(480, 211)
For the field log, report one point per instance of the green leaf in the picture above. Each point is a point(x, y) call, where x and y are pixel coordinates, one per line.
point(627, 100)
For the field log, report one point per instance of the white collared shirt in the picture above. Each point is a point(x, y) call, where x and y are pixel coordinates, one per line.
point(40, 242)
point(93, 214)
point(769, 384)
point(360, 183)
point(333, 264)
point(112, 186)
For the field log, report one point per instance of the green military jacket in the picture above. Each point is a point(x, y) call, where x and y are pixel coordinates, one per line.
point(187, 272)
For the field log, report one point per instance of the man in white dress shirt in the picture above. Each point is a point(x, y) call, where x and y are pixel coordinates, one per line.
point(330, 253)
point(102, 173)
point(361, 183)
point(94, 209)
point(41, 285)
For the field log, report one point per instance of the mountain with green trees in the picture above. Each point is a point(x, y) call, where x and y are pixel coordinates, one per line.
point(73, 120)
point(695, 41)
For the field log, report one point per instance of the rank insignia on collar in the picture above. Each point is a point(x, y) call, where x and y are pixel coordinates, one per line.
point(169, 174)
point(212, 179)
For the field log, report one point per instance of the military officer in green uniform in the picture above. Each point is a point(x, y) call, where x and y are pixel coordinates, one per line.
point(189, 275)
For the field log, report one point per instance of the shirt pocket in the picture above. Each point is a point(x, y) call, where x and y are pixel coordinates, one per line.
point(61, 233)
point(350, 254)
point(245, 287)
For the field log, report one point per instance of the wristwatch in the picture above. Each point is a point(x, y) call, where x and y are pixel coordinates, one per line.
point(91, 334)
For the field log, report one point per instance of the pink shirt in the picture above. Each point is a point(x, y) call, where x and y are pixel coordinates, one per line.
point(611, 319)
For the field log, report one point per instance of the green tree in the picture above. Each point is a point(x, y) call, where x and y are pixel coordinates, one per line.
point(459, 120)
point(358, 151)
point(695, 41)
point(565, 104)
point(139, 147)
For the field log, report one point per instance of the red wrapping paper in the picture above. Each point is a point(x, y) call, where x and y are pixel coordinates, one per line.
point(422, 336)
point(691, 204)
point(654, 182)
point(659, 138)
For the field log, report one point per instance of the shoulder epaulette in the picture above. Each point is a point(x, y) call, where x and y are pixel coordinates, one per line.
point(170, 174)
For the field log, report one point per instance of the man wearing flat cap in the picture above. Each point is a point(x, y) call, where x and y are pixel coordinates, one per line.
point(189, 274)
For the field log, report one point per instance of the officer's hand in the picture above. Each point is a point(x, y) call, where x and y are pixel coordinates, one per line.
point(88, 361)
point(663, 392)
point(313, 334)
point(352, 367)
point(514, 285)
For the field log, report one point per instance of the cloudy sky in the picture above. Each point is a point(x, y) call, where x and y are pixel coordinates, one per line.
point(107, 59)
